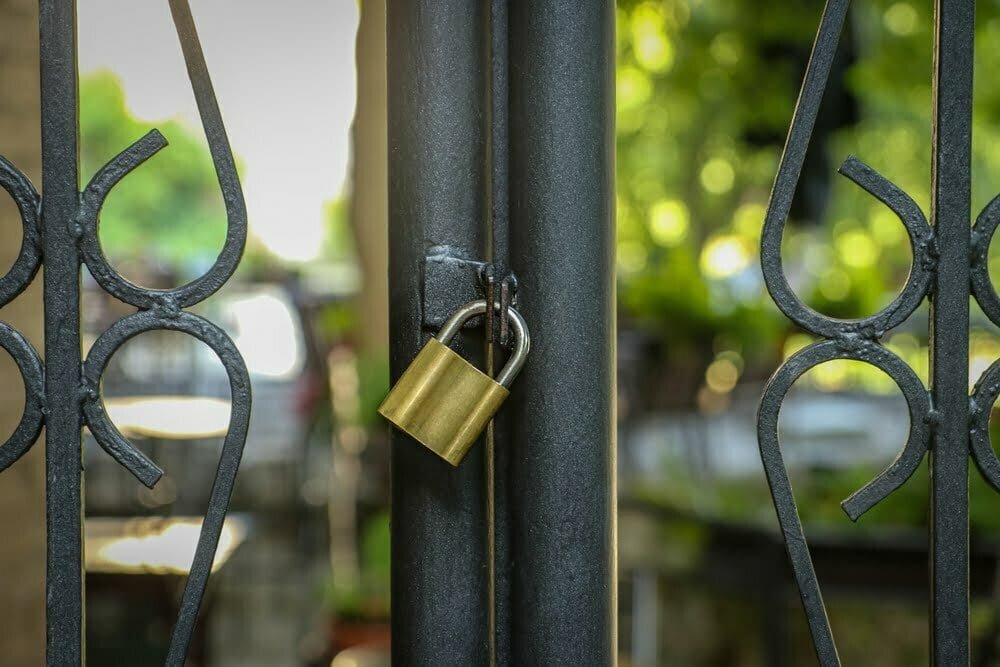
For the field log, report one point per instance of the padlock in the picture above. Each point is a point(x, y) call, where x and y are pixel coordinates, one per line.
point(442, 400)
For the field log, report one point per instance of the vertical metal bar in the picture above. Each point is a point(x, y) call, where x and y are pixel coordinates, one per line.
point(437, 153)
point(563, 407)
point(60, 182)
point(498, 432)
point(499, 95)
point(951, 214)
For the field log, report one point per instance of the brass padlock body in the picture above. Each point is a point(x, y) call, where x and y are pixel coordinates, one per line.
point(443, 401)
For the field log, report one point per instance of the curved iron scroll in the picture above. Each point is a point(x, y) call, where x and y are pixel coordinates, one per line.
point(942, 421)
point(157, 310)
point(13, 283)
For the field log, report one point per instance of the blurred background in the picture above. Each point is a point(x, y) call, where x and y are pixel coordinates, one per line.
point(705, 93)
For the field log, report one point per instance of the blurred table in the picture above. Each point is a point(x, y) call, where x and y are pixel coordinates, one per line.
point(136, 571)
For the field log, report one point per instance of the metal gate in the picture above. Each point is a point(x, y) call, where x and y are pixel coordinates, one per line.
point(501, 122)
point(64, 393)
point(949, 266)
point(495, 176)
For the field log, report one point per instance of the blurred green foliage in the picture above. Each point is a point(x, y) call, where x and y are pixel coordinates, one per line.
point(818, 495)
point(366, 597)
point(706, 92)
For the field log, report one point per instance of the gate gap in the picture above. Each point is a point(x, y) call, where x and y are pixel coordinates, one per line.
point(169, 395)
point(842, 423)
point(982, 497)
point(853, 260)
point(13, 403)
point(984, 343)
point(993, 261)
point(164, 224)
point(10, 222)
point(12, 406)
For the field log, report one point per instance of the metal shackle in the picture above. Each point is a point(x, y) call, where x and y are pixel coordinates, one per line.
point(522, 338)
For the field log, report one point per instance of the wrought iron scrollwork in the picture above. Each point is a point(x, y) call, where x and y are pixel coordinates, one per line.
point(28, 202)
point(943, 255)
point(157, 310)
point(32, 418)
point(987, 389)
point(860, 501)
point(118, 446)
point(16, 280)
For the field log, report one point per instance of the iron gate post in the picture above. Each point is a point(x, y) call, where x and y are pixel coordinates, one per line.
point(63, 422)
point(563, 597)
point(949, 331)
point(436, 101)
point(555, 451)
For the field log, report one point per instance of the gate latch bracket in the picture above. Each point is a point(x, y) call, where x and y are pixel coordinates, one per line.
point(450, 281)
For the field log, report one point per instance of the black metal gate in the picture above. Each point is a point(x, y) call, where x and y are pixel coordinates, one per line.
point(949, 266)
point(63, 394)
point(501, 151)
point(509, 172)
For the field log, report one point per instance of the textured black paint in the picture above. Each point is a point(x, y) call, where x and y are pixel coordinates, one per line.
point(562, 447)
point(437, 158)
point(63, 419)
point(950, 214)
